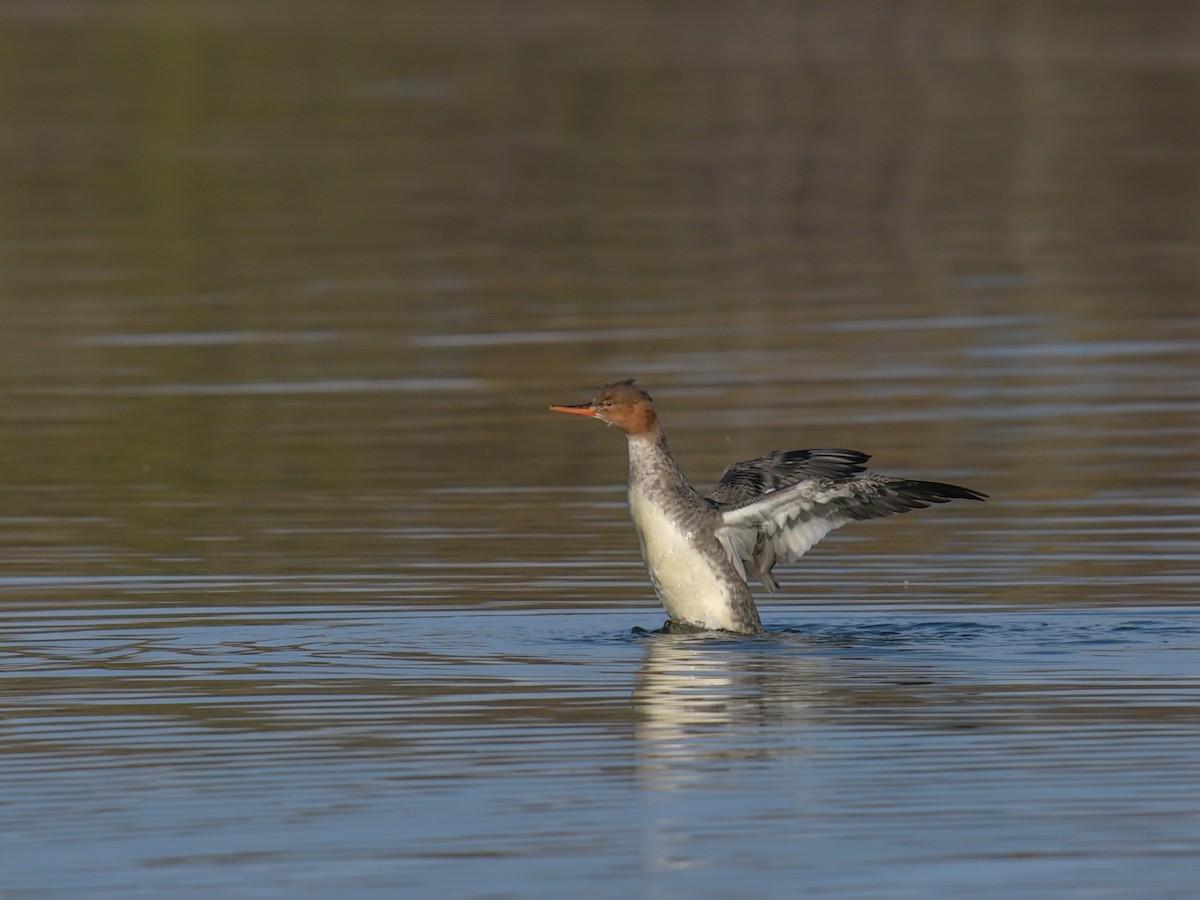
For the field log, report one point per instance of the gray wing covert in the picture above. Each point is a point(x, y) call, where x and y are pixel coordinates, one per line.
point(752, 478)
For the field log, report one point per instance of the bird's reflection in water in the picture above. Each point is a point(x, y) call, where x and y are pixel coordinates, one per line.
point(697, 697)
point(708, 706)
point(704, 699)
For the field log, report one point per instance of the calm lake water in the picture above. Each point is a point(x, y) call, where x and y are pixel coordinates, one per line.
point(303, 591)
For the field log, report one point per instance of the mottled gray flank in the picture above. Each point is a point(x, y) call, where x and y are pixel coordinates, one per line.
point(654, 473)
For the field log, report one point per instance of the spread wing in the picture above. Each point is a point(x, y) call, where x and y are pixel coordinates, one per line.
point(763, 527)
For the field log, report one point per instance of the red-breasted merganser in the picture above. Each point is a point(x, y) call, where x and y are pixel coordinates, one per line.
point(763, 511)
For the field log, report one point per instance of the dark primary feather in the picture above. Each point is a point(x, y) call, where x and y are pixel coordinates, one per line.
point(881, 495)
point(752, 478)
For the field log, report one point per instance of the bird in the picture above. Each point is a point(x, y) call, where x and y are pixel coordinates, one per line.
point(701, 551)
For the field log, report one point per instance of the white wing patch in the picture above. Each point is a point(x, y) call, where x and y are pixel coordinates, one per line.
point(790, 521)
point(800, 536)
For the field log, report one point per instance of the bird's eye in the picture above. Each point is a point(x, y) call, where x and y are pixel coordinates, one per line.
point(606, 403)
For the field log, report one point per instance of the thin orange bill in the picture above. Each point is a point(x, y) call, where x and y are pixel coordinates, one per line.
point(583, 409)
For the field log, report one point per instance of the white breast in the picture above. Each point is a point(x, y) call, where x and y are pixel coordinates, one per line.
point(684, 577)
